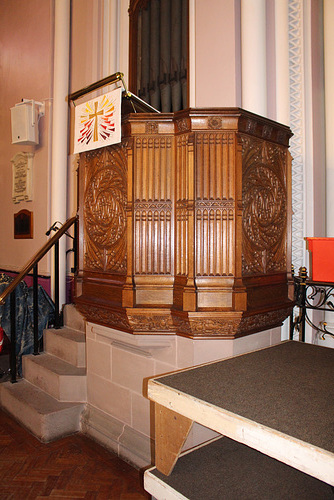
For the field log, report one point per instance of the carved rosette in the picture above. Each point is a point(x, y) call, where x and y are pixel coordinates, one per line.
point(215, 122)
point(183, 125)
point(264, 196)
point(104, 211)
point(151, 128)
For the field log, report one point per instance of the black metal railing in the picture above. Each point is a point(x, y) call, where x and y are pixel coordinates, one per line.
point(10, 291)
point(311, 296)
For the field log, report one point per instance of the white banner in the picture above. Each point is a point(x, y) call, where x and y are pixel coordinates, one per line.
point(98, 122)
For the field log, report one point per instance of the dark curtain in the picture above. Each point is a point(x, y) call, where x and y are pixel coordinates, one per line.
point(25, 316)
point(162, 54)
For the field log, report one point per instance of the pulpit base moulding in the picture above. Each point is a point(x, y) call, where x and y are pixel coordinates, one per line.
point(185, 226)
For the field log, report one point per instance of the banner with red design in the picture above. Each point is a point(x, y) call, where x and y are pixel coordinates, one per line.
point(98, 122)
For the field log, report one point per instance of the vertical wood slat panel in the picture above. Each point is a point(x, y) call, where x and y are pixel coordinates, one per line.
point(152, 211)
point(183, 187)
point(225, 242)
point(215, 201)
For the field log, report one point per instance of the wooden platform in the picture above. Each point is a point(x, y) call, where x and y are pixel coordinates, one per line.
point(277, 400)
point(229, 470)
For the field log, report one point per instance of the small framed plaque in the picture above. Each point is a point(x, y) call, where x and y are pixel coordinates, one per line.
point(23, 225)
point(22, 177)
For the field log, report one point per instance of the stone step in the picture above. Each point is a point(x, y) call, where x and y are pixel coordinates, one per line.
point(56, 377)
point(73, 319)
point(44, 416)
point(66, 344)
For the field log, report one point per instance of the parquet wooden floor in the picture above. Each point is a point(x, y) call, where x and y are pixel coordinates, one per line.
point(74, 467)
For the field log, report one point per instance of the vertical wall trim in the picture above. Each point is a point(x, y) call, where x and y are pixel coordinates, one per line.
point(329, 107)
point(254, 68)
point(310, 166)
point(110, 41)
point(123, 38)
point(192, 54)
point(282, 102)
point(282, 61)
point(60, 128)
point(296, 72)
point(97, 40)
point(106, 49)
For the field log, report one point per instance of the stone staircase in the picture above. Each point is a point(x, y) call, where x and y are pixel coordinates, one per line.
point(50, 397)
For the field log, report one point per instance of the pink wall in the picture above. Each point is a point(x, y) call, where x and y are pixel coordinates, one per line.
point(83, 58)
point(25, 72)
point(217, 52)
point(86, 43)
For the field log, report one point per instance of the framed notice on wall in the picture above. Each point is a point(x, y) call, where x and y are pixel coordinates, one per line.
point(22, 177)
point(23, 225)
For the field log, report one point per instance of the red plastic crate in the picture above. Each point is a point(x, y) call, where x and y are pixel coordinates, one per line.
point(321, 259)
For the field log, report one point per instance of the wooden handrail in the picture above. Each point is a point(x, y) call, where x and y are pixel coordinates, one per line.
point(32, 262)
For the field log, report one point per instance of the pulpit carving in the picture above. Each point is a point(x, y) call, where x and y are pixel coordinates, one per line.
point(104, 211)
point(185, 225)
point(264, 207)
point(215, 122)
point(151, 128)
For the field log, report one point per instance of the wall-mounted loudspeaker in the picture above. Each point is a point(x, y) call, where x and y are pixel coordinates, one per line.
point(24, 118)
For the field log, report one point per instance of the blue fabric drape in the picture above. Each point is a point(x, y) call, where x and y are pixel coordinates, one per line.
point(25, 316)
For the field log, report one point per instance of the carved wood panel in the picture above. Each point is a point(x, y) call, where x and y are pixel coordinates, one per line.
point(264, 198)
point(104, 214)
point(184, 192)
point(215, 204)
point(184, 226)
point(153, 209)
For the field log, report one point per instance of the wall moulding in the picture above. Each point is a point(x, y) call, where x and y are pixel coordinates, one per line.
point(194, 222)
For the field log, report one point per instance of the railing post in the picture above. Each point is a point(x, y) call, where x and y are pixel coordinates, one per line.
point(303, 276)
point(292, 322)
point(75, 247)
point(12, 361)
point(57, 315)
point(35, 308)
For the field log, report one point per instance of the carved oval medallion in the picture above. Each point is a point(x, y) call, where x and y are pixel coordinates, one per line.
point(264, 207)
point(104, 207)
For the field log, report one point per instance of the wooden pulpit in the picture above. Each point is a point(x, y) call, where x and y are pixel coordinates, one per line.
point(185, 226)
